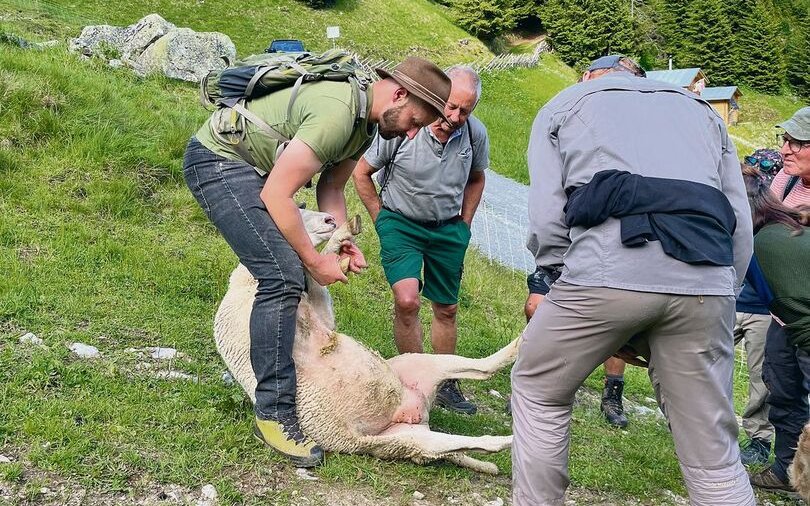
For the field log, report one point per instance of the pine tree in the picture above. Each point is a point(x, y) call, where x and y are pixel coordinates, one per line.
point(708, 41)
point(798, 56)
point(581, 30)
point(758, 51)
point(670, 16)
point(486, 19)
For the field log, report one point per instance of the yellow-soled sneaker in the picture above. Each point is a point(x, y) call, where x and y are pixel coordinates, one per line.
point(285, 437)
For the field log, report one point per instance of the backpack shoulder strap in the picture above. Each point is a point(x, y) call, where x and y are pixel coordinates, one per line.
point(389, 167)
point(263, 126)
point(789, 186)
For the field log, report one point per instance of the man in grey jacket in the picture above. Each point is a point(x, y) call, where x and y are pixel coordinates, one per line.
point(604, 296)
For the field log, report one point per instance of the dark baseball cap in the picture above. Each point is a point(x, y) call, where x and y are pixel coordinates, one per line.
point(614, 61)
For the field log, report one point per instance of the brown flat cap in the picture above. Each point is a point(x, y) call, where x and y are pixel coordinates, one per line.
point(422, 78)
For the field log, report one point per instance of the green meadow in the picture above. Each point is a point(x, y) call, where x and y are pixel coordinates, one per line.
point(102, 243)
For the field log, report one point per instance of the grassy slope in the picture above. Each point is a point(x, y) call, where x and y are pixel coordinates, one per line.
point(100, 242)
point(509, 103)
point(380, 28)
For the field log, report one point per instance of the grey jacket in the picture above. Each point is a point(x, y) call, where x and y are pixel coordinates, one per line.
point(645, 127)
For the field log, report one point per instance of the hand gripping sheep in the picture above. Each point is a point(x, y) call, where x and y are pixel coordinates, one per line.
point(349, 399)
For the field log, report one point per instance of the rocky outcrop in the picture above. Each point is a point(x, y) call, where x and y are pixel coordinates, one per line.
point(156, 45)
point(187, 55)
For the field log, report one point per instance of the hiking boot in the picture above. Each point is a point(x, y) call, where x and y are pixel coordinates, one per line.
point(768, 480)
point(285, 437)
point(612, 403)
point(755, 452)
point(508, 407)
point(450, 397)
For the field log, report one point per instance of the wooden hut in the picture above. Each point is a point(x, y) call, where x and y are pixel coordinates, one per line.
point(725, 100)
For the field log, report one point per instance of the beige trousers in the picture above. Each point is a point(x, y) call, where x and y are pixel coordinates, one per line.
point(752, 328)
point(689, 342)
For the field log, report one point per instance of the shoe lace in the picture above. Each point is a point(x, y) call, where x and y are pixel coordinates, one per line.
point(452, 391)
point(291, 428)
point(613, 398)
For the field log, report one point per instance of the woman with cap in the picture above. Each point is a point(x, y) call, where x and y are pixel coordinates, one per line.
point(245, 184)
point(782, 246)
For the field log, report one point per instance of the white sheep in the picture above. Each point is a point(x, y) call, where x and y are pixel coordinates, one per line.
point(350, 399)
point(799, 470)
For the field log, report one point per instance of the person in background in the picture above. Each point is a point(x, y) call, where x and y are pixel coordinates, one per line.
point(613, 197)
point(782, 247)
point(768, 161)
point(430, 189)
point(611, 405)
point(753, 319)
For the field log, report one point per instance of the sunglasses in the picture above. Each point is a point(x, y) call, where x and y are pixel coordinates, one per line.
point(764, 163)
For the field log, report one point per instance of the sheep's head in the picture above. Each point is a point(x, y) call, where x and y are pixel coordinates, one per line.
point(319, 226)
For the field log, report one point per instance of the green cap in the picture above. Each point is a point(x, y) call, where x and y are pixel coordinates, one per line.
point(798, 126)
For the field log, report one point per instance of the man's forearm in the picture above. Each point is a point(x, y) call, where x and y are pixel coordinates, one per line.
point(472, 196)
point(364, 185)
point(286, 215)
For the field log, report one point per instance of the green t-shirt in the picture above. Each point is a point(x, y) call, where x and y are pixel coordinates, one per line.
point(323, 116)
point(785, 262)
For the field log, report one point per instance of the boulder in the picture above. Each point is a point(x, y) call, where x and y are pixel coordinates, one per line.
point(143, 34)
point(187, 55)
point(99, 40)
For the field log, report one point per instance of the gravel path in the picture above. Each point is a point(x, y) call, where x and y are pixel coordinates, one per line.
point(499, 227)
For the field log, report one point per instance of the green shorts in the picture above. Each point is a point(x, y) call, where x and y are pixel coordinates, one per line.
point(405, 246)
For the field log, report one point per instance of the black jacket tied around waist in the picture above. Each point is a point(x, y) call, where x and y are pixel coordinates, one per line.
point(694, 222)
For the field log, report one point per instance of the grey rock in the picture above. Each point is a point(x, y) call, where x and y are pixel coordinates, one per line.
point(645, 411)
point(175, 375)
point(84, 350)
point(496, 502)
point(496, 394)
point(418, 495)
point(5, 460)
point(97, 39)
point(159, 353)
point(305, 475)
point(142, 34)
point(31, 338)
point(208, 496)
point(187, 55)
point(227, 378)
point(115, 63)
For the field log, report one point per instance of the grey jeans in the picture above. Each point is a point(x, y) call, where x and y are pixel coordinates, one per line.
point(228, 192)
point(689, 342)
point(752, 328)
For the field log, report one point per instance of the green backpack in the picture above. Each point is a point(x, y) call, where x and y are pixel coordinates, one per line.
point(260, 75)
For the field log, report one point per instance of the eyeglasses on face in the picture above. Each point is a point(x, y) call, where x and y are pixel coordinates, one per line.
point(794, 145)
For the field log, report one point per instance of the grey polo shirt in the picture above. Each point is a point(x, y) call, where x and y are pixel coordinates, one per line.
point(645, 127)
point(427, 179)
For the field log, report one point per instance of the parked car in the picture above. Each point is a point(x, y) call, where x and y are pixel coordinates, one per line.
point(285, 46)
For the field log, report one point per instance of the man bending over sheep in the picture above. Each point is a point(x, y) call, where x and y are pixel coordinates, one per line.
point(252, 206)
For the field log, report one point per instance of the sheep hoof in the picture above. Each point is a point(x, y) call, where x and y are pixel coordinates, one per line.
point(355, 225)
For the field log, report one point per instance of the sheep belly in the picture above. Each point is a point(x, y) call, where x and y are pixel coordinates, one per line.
point(345, 393)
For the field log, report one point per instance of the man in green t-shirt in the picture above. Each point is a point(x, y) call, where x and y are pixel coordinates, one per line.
point(245, 181)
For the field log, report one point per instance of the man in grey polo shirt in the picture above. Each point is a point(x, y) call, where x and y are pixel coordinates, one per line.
point(430, 188)
point(663, 168)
